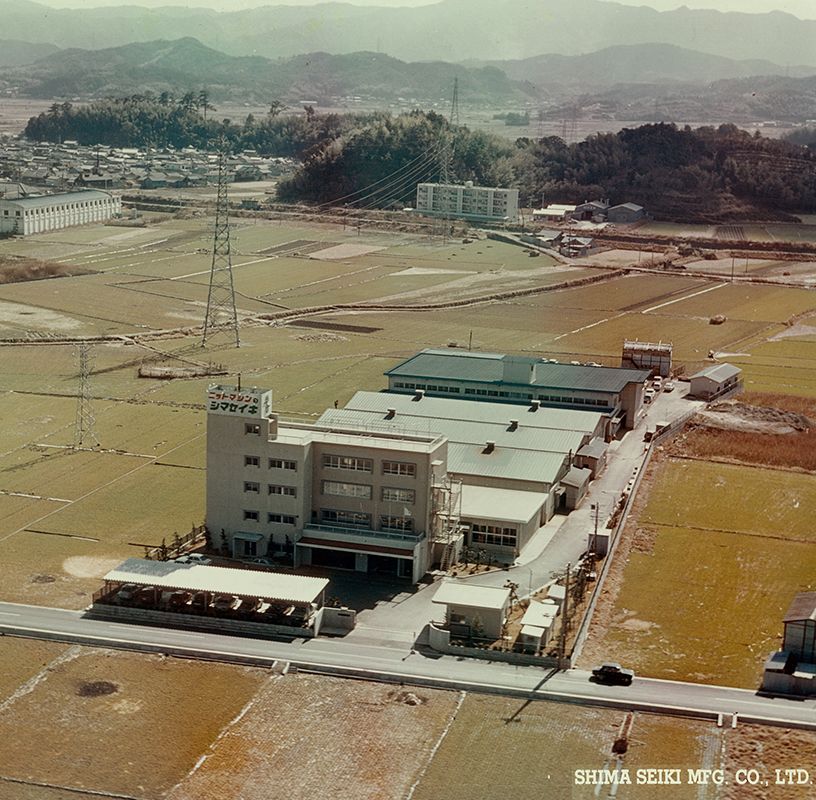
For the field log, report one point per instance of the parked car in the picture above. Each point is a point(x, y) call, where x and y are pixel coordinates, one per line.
point(264, 562)
point(193, 558)
point(668, 386)
point(612, 674)
point(126, 593)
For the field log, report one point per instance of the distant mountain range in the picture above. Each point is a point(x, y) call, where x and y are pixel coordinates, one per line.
point(186, 64)
point(14, 53)
point(640, 63)
point(455, 30)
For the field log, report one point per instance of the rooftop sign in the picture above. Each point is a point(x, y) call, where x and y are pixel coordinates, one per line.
point(230, 401)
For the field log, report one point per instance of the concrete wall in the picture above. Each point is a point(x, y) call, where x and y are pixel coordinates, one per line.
point(439, 640)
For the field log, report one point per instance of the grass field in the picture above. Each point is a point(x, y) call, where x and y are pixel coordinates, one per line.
point(703, 591)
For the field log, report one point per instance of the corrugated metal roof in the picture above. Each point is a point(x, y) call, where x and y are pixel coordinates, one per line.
point(487, 502)
point(802, 608)
point(718, 372)
point(505, 462)
point(471, 367)
point(564, 419)
point(456, 593)
point(594, 449)
point(577, 476)
point(59, 199)
point(523, 437)
point(219, 580)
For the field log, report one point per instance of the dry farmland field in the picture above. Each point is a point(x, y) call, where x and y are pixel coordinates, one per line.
point(699, 589)
point(66, 516)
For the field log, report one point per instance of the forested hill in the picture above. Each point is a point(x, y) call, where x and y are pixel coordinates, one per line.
point(707, 174)
point(180, 65)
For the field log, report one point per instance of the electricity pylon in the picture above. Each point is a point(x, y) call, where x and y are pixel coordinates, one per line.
point(85, 426)
point(221, 314)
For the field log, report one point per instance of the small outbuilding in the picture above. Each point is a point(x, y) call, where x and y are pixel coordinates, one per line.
point(792, 670)
point(592, 456)
point(536, 625)
point(576, 485)
point(715, 381)
point(473, 611)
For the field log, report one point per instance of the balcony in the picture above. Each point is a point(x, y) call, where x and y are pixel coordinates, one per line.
point(364, 536)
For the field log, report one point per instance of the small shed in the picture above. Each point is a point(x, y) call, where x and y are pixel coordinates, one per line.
point(715, 381)
point(592, 456)
point(800, 627)
point(536, 625)
point(558, 594)
point(471, 610)
point(576, 485)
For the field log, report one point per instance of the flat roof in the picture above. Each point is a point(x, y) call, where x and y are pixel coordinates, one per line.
point(470, 367)
point(296, 433)
point(505, 462)
point(57, 199)
point(540, 615)
point(486, 502)
point(521, 436)
point(457, 593)
point(564, 419)
point(577, 476)
point(219, 580)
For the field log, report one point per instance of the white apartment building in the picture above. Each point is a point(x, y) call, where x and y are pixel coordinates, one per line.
point(26, 215)
point(481, 203)
point(334, 497)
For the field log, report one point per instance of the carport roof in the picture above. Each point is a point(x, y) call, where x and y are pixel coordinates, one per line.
point(219, 580)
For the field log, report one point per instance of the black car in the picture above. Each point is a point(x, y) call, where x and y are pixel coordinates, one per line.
point(612, 674)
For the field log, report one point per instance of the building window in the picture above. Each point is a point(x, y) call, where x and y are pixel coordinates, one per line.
point(281, 519)
point(389, 523)
point(250, 516)
point(339, 489)
point(493, 534)
point(347, 462)
point(355, 519)
point(391, 494)
point(252, 427)
point(251, 486)
point(279, 463)
point(252, 461)
point(288, 491)
point(399, 468)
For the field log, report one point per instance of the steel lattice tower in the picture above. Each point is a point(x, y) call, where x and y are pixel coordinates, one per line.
point(446, 160)
point(85, 427)
point(221, 314)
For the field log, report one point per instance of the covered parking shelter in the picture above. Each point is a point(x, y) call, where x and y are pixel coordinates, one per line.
point(203, 590)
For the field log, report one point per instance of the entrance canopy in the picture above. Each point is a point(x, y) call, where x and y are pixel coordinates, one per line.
point(270, 586)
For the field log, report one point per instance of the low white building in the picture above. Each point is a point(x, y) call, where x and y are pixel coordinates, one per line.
point(24, 216)
point(473, 611)
point(715, 381)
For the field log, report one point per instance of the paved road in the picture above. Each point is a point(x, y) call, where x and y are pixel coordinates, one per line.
point(377, 654)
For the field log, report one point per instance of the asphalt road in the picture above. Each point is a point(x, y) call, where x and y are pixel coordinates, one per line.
point(388, 655)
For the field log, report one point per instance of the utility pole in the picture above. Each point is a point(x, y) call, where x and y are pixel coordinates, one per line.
point(446, 161)
point(562, 643)
point(85, 426)
point(221, 313)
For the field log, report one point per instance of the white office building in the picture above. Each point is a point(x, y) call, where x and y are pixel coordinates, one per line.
point(466, 201)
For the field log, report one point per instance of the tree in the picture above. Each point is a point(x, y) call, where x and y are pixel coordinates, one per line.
point(276, 107)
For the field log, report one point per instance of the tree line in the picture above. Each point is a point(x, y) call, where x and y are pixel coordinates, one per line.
point(376, 159)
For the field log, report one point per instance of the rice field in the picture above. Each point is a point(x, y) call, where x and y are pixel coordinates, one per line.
point(705, 585)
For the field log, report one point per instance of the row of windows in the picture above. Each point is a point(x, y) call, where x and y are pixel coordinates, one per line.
point(253, 486)
point(389, 494)
point(353, 463)
point(36, 212)
point(348, 462)
point(544, 398)
point(250, 515)
point(493, 534)
point(360, 519)
point(274, 463)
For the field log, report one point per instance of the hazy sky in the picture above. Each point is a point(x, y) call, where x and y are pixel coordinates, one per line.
point(805, 9)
